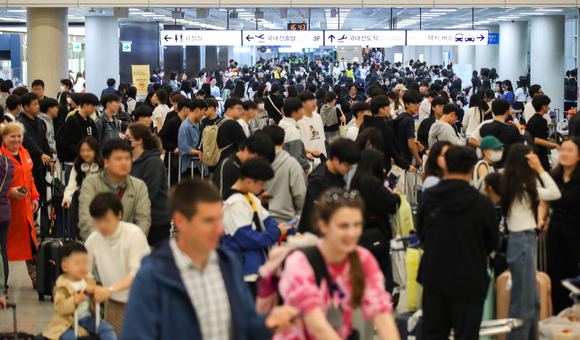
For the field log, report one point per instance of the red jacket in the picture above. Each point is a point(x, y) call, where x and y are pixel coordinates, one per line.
point(21, 228)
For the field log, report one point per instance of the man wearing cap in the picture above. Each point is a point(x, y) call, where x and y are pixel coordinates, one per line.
point(492, 150)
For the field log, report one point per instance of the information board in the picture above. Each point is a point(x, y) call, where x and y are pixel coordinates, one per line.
point(455, 37)
point(200, 38)
point(140, 75)
point(297, 27)
point(283, 38)
point(493, 39)
point(364, 38)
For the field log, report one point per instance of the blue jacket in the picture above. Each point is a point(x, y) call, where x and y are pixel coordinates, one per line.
point(160, 308)
point(108, 90)
point(107, 129)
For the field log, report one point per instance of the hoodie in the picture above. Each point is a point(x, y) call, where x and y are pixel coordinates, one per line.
point(293, 141)
point(49, 132)
point(329, 115)
point(150, 168)
point(441, 131)
point(287, 188)
point(458, 229)
point(391, 146)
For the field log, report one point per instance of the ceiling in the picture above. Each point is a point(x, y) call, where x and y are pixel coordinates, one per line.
point(320, 18)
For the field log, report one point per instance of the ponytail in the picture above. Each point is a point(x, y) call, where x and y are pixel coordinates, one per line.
point(357, 279)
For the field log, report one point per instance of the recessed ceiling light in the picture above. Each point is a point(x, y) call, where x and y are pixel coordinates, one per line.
point(443, 10)
point(549, 10)
point(16, 10)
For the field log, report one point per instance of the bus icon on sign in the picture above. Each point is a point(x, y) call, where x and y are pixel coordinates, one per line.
point(459, 37)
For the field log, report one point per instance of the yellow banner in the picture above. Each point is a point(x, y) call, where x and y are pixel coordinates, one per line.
point(140, 78)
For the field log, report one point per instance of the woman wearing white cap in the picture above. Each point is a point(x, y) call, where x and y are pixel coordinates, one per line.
point(397, 105)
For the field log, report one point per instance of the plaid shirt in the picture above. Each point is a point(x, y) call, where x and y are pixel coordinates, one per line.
point(207, 291)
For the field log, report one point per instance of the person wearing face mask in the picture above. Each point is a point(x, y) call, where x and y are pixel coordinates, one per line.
point(492, 150)
point(261, 118)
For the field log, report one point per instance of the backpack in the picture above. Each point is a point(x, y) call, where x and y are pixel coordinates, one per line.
point(59, 139)
point(125, 119)
point(350, 73)
point(211, 152)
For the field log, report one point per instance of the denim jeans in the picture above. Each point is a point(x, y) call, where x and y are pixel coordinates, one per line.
point(524, 298)
point(106, 331)
point(67, 170)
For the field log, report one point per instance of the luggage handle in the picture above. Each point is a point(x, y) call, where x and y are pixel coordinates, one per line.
point(13, 306)
point(97, 320)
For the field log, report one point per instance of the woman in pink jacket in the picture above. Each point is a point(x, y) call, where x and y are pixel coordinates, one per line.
point(356, 278)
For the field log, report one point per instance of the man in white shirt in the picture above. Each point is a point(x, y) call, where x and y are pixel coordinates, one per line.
point(194, 270)
point(249, 113)
point(359, 110)
point(116, 249)
point(425, 108)
point(529, 110)
point(312, 128)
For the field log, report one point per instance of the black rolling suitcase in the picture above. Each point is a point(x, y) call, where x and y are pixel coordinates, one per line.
point(48, 260)
point(15, 335)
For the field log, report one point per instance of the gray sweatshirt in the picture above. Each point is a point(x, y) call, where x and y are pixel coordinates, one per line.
point(49, 132)
point(287, 188)
point(441, 131)
point(293, 141)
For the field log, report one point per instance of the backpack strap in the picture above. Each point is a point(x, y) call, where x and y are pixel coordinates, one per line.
point(271, 102)
point(318, 264)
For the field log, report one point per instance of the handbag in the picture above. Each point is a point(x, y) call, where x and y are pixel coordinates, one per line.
point(271, 102)
point(503, 239)
point(342, 126)
point(6, 173)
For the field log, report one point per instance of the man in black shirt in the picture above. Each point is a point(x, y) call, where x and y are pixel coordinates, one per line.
point(508, 134)
point(405, 127)
point(273, 103)
point(343, 154)
point(169, 135)
point(231, 135)
point(538, 128)
point(228, 172)
point(381, 120)
point(37, 145)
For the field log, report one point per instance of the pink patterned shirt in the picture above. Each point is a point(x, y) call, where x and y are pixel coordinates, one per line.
point(298, 289)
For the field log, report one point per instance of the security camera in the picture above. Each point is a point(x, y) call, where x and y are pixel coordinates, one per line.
point(513, 21)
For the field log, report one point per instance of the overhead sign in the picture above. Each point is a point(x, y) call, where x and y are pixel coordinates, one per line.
point(364, 38)
point(126, 46)
point(283, 38)
point(77, 46)
point(493, 39)
point(454, 37)
point(200, 38)
point(297, 27)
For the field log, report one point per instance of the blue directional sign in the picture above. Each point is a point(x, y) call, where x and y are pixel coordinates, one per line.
point(493, 38)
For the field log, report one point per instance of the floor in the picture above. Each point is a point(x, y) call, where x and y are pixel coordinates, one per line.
point(32, 315)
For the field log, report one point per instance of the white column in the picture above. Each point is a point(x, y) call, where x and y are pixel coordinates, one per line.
point(452, 53)
point(547, 62)
point(513, 49)
point(487, 56)
point(413, 53)
point(466, 55)
point(426, 52)
point(436, 55)
point(101, 52)
point(47, 30)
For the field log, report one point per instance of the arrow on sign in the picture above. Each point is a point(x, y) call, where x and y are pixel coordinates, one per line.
point(481, 37)
point(167, 38)
point(331, 37)
point(248, 38)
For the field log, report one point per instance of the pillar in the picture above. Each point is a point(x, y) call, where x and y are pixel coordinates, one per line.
point(513, 50)
point(547, 64)
point(101, 52)
point(452, 49)
point(487, 56)
point(426, 52)
point(47, 35)
point(466, 55)
point(436, 55)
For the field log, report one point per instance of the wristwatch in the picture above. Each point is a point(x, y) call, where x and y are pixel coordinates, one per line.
point(112, 290)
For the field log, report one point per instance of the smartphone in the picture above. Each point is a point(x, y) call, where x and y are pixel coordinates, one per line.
point(269, 197)
point(337, 105)
point(23, 190)
point(291, 222)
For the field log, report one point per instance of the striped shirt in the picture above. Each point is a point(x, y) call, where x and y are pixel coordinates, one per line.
point(207, 291)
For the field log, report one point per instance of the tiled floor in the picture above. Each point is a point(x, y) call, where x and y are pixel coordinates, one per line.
point(33, 316)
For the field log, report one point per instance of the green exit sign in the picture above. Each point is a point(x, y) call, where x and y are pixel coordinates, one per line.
point(126, 46)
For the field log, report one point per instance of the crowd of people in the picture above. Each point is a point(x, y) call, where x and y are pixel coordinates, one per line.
point(291, 148)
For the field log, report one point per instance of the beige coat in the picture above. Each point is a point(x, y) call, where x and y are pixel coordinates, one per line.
point(65, 307)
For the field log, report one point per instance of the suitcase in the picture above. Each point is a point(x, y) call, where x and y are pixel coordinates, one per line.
point(402, 321)
point(15, 335)
point(48, 261)
point(503, 296)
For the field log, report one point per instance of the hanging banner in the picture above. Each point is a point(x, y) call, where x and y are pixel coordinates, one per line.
point(283, 38)
point(140, 78)
point(454, 37)
point(200, 38)
point(364, 38)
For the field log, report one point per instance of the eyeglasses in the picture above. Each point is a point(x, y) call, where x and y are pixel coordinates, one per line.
point(347, 195)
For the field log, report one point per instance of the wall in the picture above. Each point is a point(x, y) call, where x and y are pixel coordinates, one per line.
point(570, 44)
point(351, 53)
point(144, 49)
point(10, 43)
point(389, 53)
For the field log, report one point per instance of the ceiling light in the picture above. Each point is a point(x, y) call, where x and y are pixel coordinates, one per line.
point(134, 9)
point(16, 10)
point(358, 29)
point(550, 10)
point(533, 13)
point(443, 10)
